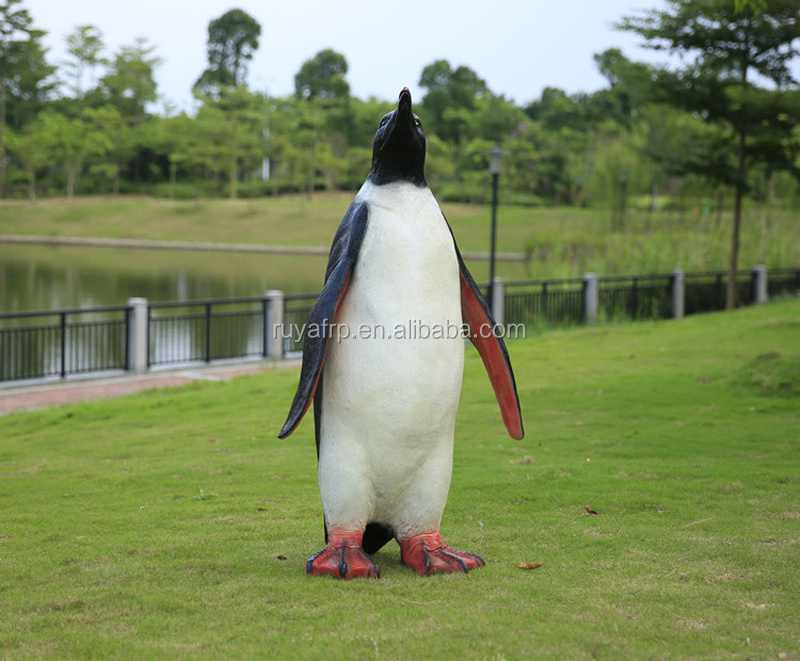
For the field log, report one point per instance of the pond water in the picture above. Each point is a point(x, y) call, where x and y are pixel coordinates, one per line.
point(53, 277)
point(50, 278)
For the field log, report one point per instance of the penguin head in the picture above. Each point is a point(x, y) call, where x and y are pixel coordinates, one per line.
point(398, 151)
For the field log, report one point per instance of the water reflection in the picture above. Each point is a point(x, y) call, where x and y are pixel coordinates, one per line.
point(53, 277)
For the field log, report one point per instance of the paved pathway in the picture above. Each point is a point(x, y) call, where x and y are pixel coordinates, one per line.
point(41, 395)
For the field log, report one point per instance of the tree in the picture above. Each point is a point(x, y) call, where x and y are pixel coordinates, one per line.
point(15, 29)
point(450, 92)
point(307, 151)
point(130, 84)
point(231, 135)
point(232, 40)
point(629, 82)
point(723, 43)
point(76, 139)
point(173, 135)
point(33, 148)
point(31, 83)
point(323, 77)
point(84, 46)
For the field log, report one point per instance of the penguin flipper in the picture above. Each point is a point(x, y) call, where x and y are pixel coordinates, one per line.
point(319, 330)
point(478, 318)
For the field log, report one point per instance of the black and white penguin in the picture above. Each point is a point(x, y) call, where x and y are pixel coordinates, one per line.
point(383, 361)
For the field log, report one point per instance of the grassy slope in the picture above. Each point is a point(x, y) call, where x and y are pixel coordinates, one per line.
point(563, 241)
point(173, 524)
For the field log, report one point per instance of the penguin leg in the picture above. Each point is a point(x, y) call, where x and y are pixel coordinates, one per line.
point(428, 554)
point(343, 557)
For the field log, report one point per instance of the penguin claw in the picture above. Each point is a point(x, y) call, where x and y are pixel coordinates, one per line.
point(427, 554)
point(344, 558)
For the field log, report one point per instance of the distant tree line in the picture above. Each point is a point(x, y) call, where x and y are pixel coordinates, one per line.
point(86, 124)
point(723, 121)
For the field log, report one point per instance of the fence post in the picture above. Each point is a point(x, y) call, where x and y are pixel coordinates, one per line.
point(498, 300)
point(678, 294)
point(137, 334)
point(63, 324)
point(273, 324)
point(591, 297)
point(760, 291)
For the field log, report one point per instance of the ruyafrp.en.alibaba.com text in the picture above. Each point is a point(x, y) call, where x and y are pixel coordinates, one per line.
point(414, 329)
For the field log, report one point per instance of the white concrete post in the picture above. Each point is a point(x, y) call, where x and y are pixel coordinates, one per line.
point(498, 300)
point(137, 334)
point(678, 294)
point(591, 297)
point(761, 293)
point(273, 324)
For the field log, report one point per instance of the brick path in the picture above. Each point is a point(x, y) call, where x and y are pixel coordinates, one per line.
point(41, 395)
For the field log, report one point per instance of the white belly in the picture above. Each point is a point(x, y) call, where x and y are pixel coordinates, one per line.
point(393, 372)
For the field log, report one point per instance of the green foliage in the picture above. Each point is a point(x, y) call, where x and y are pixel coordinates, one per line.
point(129, 82)
point(323, 77)
point(33, 148)
point(232, 40)
point(231, 139)
point(74, 141)
point(84, 46)
point(451, 96)
point(725, 46)
point(558, 147)
point(29, 82)
point(693, 475)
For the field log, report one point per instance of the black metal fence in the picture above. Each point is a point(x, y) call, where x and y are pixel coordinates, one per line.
point(637, 297)
point(563, 302)
point(707, 292)
point(295, 316)
point(203, 331)
point(38, 345)
point(57, 344)
point(783, 282)
point(559, 302)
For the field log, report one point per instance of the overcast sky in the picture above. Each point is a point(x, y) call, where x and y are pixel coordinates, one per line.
point(518, 47)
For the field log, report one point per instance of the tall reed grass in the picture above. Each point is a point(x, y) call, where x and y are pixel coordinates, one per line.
point(661, 242)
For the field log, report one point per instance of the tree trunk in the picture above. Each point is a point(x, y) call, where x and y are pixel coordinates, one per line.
point(233, 178)
point(72, 176)
point(173, 173)
point(733, 291)
point(117, 168)
point(32, 185)
point(273, 176)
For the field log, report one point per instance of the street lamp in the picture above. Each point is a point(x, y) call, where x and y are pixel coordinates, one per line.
point(495, 158)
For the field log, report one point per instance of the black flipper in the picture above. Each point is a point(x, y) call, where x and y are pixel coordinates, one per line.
point(344, 253)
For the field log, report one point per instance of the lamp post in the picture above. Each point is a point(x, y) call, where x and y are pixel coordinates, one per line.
point(495, 158)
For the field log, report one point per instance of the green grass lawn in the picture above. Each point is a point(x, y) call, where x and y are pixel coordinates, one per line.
point(174, 524)
point(560, 241)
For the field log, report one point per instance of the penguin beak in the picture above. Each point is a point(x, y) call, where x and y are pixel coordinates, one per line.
point(398, 151)
point(404, 105)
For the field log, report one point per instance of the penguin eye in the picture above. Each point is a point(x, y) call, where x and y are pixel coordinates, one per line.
point(384, 120)
point(417, 122)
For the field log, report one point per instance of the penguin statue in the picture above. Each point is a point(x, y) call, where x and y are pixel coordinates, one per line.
point(383, 361)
